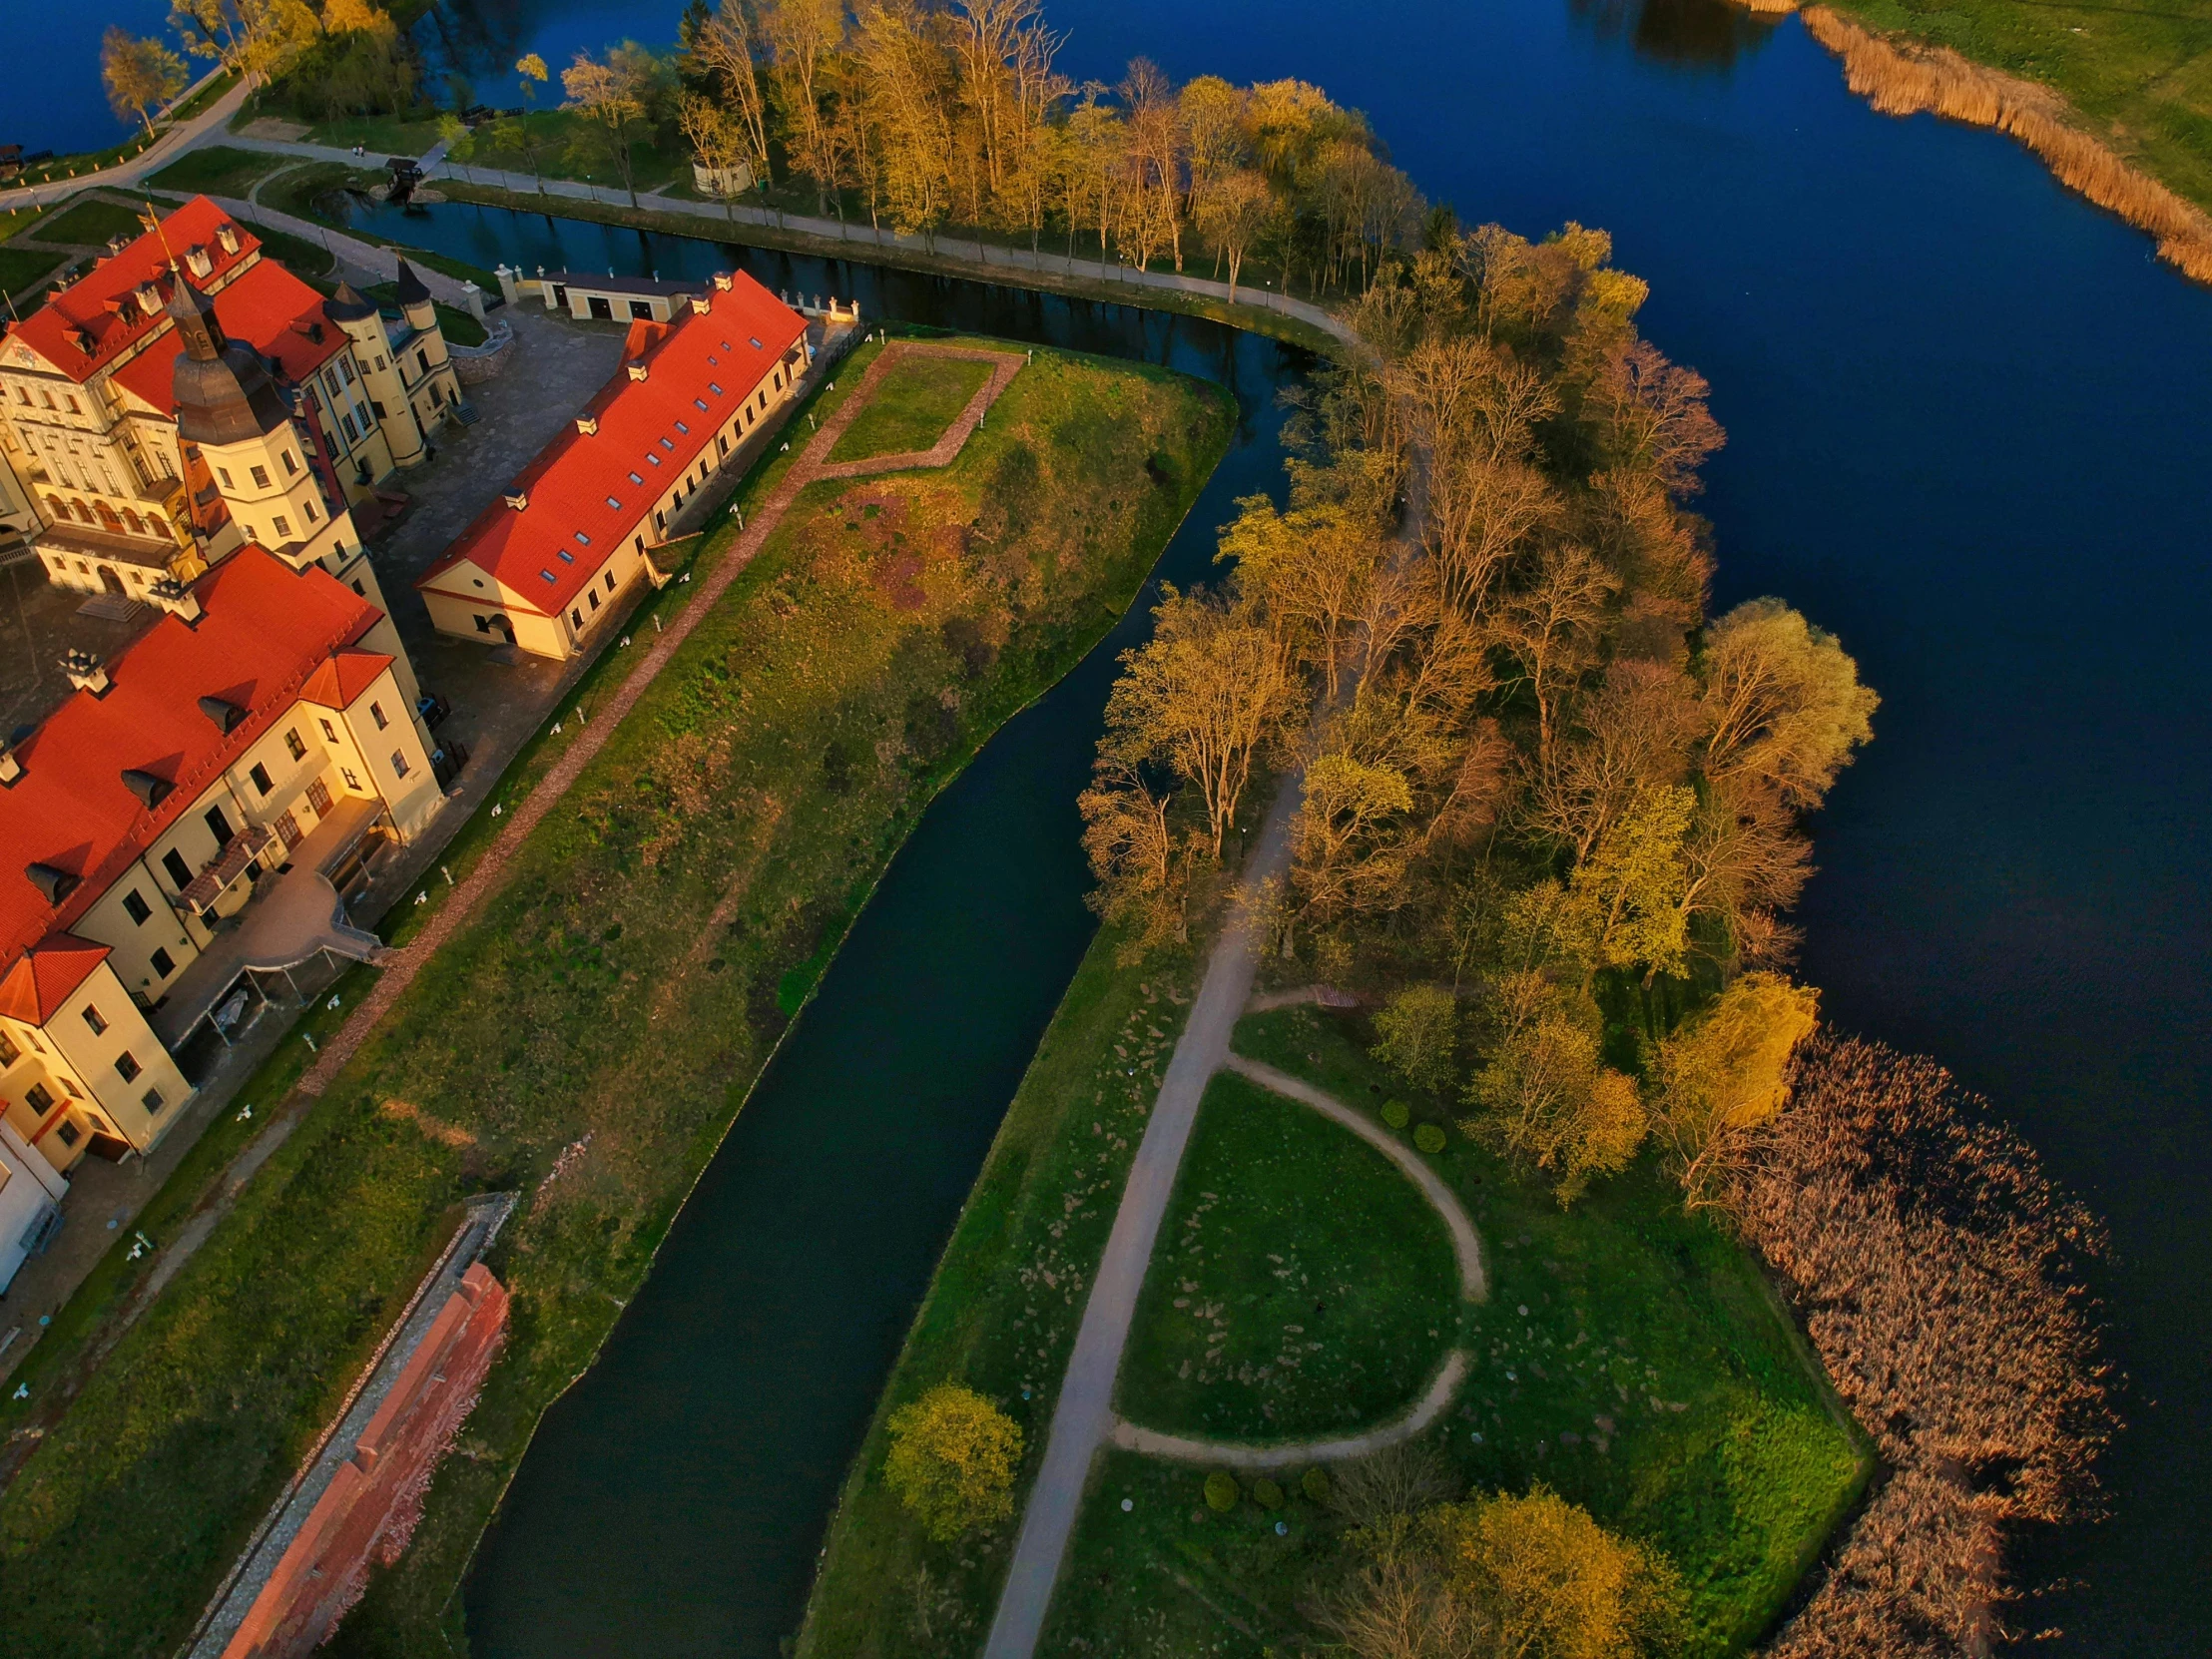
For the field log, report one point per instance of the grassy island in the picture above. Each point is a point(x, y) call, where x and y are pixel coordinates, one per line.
point(589, 1035)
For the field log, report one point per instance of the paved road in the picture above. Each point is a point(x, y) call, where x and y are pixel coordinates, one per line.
point(1084, 1415)
point(207, 124)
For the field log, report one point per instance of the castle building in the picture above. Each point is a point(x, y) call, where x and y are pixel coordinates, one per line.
point(262, 732)
point(543, 567)
point(106, 393)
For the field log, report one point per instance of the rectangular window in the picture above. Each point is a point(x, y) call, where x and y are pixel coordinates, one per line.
point(308, 508)
point(179, 871)
point(217, 826)
point(152, 1101)
point(225, 478)
point(68, 1134)
point(9, 1053)
point(292, 745)
point(564, 555)
point(345, 421)
point(594, 598)
point(399, 763)
point(39, 1098)
point(612, 502)
point(610, 581)
point(351, 781)
point(292, 465)
point(377, 712)
point(163, 964)
point(136, 907)
point(328, 736)
point(284, 525)
point(575, 617)
point(93, 1019)
point(422, 362)
point(261, 777)
point(260, 477)
point(128, 1066)
point(701, 402)
point(635, 480)
point(681, 427)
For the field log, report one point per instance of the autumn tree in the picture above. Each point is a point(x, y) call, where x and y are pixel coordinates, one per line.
point(719, 143)
point(1723, 1074)
point(1308, 572)
point(139, 74)
point(209, 29)
point(610, 93)
point(731, 126)
point(1201, 699)
point(953, 1459)
point(1784, 703)
point(1545, 1097)
point(1417, 1033)
point(1552, 630)
point(805, 41)
point(1232, 213)
point(531, 72)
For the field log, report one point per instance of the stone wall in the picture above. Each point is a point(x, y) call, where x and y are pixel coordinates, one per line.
point(367, 1512)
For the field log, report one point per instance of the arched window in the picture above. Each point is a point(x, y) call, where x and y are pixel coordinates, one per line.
point(137, 526)
point(84, 512)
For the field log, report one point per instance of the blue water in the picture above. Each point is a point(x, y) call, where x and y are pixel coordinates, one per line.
point(1967, 432)
point(51, 99)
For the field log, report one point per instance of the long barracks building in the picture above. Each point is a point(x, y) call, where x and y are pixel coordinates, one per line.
point(540, 567)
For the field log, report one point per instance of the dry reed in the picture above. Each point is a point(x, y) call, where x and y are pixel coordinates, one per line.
point(1901, 77)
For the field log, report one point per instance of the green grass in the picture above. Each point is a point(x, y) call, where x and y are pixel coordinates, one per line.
point(205, 95)
point(644, 1025)
point(569, 146)
point(1300, 1285)
point(915, 402)
point(383, 134)
point(1003, 1308)
point(303, 259)
point(2140, 75)
point(218, 170)
point(23, 273)
point(90, 224)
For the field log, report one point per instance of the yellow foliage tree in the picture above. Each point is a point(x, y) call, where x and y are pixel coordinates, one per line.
point(1547, 1099)
point(1723, 1074)
point(1547, 1582)
point(952, 1460)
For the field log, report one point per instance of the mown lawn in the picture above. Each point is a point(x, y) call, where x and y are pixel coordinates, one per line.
point(219, 170)
point(90, 224)
point(1301, 1285)
point(23, 274)
point(913, 405)
point(2140, 75)
point(613, 1001)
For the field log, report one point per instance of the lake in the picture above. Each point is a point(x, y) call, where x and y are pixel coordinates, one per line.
point(1967, 431)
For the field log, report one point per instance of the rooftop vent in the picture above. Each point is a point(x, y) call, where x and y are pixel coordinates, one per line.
point(701, 304)
point(725, 280)
point(175, 598)
point(518, 500)
point(84, 671)
point(56, 885)
point(148, 789)
point(588, 425)
point(224, 715)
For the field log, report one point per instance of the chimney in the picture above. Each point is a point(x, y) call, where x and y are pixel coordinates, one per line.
point(198, 262)
point(227, 233)
point(174, 597)
point(588, 425)
point(84, 671)
point(637, 371)
point(149, 298)
point(701, 304)
point(725, 280)
point(518, 500)
point(10, 768)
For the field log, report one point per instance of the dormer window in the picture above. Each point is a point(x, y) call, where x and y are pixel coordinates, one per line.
point(149, 298)
point(198, 262)
point(226, 235)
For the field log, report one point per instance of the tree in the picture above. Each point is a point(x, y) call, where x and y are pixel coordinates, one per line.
point(1308, 570)
point(1353, 839)
point(719, 143)
point(1547, 1582)
point(952, 1460)
point(1626, 897)
point(725, 49)
point(1233, 211)
point(139, 74)
point(1723, 1074)
point(1419, 1033)
point(1142, 865)
point(1551, 628)
point(1547, 1098)
point(804, 39)
point(1784, 701)
point(533, 72)
point(208, 28)
point(1633, 734)
point(610, 92)
point(1202, 697)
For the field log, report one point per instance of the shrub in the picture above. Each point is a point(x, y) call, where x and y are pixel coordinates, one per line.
point(1396, 1114)
point(1221, 1491)
point(1315, 1484)
point(1267, 1494)
point(1420, 1028)
point(1430, 1138)
point(952, 1460)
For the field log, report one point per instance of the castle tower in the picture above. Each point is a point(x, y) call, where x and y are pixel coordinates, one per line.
point(261, 457)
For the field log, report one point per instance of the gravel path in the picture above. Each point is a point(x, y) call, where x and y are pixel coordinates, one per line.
point(1083, 1417)
point(1292, 1453)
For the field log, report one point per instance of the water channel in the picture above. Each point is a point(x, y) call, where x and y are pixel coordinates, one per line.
point(1967, 432)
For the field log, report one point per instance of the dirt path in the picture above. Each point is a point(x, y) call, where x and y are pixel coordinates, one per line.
point(1294, 1453)
point(1084, 1417)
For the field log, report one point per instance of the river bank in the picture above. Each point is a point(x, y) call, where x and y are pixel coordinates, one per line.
point(1902, 76)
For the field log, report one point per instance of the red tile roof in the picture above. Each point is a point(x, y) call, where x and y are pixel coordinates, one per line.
point(650, 430)
point(41, 981)
point(263, 633)
point(267, 306)
point(102, 308)
point(343, 676)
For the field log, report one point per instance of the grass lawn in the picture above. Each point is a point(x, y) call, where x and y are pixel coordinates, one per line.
point(383, 135)
point(90, 224)
point(569, 146)
point(916, 401)
point(23, 273)
point(1300, 1285)
point(308, 260)
point(616, 996)
point(219, 170)
point(205, 95)
point(2140, 75)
